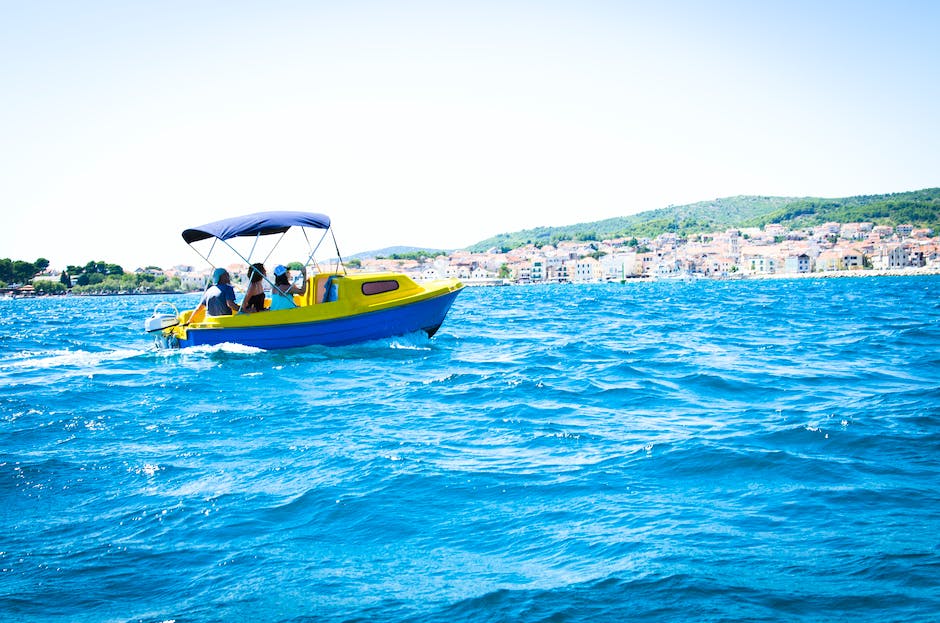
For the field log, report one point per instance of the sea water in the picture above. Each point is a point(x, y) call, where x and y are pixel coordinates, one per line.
point(708, 451)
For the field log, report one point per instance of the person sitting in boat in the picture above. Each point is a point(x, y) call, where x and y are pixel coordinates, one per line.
point(282, 294)
point(254, 295)
point(219, 299)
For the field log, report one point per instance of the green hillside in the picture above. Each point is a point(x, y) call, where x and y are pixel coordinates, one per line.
point(920, 208)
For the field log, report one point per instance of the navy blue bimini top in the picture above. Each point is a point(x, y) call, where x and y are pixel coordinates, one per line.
point(260, 223)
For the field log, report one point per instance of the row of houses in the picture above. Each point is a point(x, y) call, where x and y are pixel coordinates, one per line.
point(734, 252)
point(771, 250)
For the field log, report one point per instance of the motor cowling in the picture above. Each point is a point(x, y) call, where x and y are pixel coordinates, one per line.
point(159, 322)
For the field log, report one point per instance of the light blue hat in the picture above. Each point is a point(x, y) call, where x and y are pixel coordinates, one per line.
point(217, 274)
point(279, 270)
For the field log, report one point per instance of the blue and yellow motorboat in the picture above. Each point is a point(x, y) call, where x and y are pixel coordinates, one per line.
point(338, 307)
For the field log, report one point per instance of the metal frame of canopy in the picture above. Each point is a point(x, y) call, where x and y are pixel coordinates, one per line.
point(263, 224)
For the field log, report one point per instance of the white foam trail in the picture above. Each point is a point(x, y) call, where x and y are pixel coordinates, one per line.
point(417, 340)
point(76, 359)
point(225, 347)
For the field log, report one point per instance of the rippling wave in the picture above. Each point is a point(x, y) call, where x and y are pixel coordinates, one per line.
point(660, 451)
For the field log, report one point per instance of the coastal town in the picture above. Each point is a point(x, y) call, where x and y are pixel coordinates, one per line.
point(772, 251)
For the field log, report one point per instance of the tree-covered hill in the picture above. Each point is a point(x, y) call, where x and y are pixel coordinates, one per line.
point(393, 252)
point(920, 208)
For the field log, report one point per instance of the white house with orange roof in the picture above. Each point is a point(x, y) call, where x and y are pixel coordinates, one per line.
point(716, 265)
point(829, 260)
point(852, 259)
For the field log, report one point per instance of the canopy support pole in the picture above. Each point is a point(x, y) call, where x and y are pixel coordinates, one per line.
point(310, 257)
point(339, 258)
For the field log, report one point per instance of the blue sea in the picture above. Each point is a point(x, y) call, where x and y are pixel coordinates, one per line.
point(667, 451)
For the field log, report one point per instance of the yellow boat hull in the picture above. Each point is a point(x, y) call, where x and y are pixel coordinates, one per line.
point(336, 310)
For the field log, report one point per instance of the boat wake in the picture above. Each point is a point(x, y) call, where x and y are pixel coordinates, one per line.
point(70, 358)
point(209, 349)
point(415, 341)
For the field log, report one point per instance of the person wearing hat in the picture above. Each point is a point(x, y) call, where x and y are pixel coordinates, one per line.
point(219, 299)
point(282, 294)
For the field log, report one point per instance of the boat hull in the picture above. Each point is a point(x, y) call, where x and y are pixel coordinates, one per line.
point(425, 315)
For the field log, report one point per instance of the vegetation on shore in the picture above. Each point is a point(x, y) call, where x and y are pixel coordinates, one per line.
point(20, 271)
point(95, 277)
point(421, 255)
point(920, 208)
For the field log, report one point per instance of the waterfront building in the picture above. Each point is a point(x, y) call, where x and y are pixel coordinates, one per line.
point(481, 274)
point(797, 264)
point(538, 270)
point(521, 272)
point(618, 266)
point(557, 273)
point(931, 254)
point(430, 273)
point(667, 267)
point(852, 259)
point(716, 265)
point(829, 260)
point(916, 257)
point(762, 264)
point(460, 270)
point(586, 270)
point(645, 263)
point(733, 240)
point(897, 256)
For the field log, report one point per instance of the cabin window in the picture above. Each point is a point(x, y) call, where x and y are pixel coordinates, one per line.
point(378, 287)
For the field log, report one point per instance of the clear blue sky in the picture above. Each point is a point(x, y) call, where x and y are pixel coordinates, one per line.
point(439, 124)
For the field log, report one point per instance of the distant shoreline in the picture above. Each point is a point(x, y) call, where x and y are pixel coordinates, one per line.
point(894, 272)
point(835, 274)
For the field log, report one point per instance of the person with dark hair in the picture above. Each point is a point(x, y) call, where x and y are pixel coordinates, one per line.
point(282, 294)
point(254, 295)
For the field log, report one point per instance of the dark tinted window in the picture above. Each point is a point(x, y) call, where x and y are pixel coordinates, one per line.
point(378, 287)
